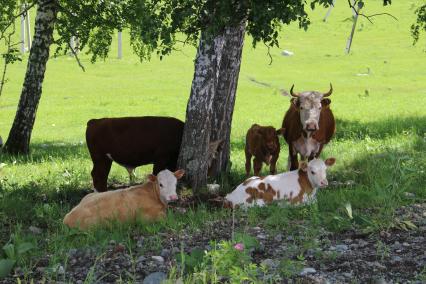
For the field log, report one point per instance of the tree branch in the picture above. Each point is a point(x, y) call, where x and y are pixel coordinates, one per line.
point(269, 53)
point(76, 57)
point(368, 17)
point(12, 21)
point(9, 46)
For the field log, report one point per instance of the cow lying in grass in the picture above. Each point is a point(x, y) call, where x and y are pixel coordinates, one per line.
point(147, 201)
point(298, 186)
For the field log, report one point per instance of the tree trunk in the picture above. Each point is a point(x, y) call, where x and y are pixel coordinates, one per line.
point(20, 133)
point(211, 105)
point(224, 100)
point(193, 156)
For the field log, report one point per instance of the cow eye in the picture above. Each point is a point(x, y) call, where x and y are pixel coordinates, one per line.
point(312, 172)
point(161, 185)
point(301, 107)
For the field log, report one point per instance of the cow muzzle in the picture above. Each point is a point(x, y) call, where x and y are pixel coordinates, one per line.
point(311, 126)
point(324, 183)
point(173, 198)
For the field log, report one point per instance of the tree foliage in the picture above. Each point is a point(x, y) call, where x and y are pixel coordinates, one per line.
point(9, 11)
point(420, 24)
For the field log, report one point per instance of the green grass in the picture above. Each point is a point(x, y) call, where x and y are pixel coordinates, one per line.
point(380, 141)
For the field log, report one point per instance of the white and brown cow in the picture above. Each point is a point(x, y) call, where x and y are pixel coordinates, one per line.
point(298, 186)
point(309, 125)
point(147, 201)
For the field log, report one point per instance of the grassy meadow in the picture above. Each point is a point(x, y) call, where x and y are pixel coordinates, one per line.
point(379, 102)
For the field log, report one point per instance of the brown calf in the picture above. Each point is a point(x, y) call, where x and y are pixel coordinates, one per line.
point(262, 143)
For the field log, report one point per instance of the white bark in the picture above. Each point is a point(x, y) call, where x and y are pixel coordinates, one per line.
point(20, 133)
point(224, 101)
point(211, 104)
point(193, 155)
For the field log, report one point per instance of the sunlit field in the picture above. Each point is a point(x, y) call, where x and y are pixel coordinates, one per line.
point(379, 102)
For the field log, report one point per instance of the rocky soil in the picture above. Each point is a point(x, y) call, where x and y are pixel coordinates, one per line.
point(395, 256)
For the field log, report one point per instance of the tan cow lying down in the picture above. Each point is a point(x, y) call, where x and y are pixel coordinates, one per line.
point(147, 201)
point(297, 186)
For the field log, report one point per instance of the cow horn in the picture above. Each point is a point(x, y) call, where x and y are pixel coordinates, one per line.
point(292, 93)
point(329, 92)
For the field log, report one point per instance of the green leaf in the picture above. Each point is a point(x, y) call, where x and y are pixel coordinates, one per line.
point(24, 247)
point(9, 250)
point(409, 225)
point(6, 266)
point(348, 208)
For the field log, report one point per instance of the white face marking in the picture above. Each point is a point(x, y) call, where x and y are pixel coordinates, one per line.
point(317, 173)
point(310, 109)
point(167, 182)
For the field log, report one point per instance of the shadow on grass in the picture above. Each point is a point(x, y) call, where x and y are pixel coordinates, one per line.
point(349, 129)
point(381, 182)
point(40, 152)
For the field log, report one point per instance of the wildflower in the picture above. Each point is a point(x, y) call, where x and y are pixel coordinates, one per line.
point(239, 246)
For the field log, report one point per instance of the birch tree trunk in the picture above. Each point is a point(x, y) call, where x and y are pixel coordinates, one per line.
point(20, 133)
point(193, 156)
point(224, 100)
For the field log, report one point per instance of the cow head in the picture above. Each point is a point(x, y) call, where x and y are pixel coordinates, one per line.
point(270, 140)
point(167, 181)
point(316, 171)
point(309, 105)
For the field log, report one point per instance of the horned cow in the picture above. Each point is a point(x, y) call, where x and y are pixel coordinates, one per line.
point(298, 186)
point(147, 201)
point(309, 125)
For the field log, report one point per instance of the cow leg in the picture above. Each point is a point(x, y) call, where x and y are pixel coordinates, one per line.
point(158, 167)
point(319, 151)
point(273, 166)
point(257, 166)
point(132, 174)
point(248, 162)
point(100, 171)
point(292, 157)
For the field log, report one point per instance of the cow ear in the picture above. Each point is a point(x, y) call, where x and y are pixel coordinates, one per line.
point(303, 166)
point(152, 178)
point(295, 102)
point(179, 173)
point(330, 161)
point(280, 131)
point(325, 102)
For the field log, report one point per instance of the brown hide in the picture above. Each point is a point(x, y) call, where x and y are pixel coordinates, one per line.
point(294, 129)
point(262, 143)
point(132, 142)
point(123, 205)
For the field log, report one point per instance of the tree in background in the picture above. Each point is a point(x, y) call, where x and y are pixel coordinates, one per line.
point(90, 21)
point(20, 133)
point(9, 12)
point(420, 24)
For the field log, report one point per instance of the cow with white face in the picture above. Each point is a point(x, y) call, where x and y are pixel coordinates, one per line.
point(297, 187)
point(309, 124)
point(167, 181)
point(147, 201)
